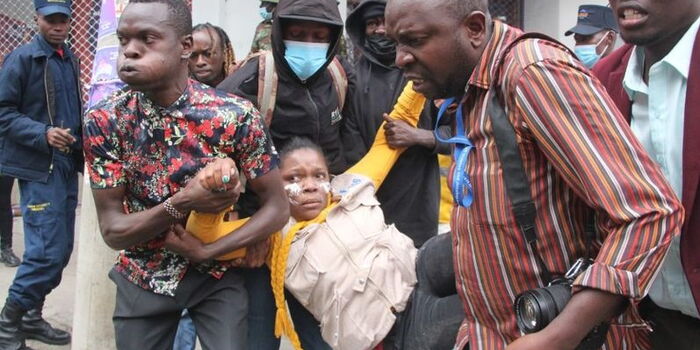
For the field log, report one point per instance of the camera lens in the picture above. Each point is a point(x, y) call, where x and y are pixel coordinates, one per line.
point(530, 312)
point(536, 308)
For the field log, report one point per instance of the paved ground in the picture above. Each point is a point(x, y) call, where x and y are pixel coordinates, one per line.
point(59, 304)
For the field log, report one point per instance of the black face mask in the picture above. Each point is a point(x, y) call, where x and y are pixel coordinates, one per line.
point(381, 47)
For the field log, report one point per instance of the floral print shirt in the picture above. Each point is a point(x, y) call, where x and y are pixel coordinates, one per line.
point(154, 151)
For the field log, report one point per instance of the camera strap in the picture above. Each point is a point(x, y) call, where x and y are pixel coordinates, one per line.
point(516, 180)
point(517, 183)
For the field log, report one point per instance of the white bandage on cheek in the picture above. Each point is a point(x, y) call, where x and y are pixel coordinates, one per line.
point(293, 191)
point(325, 186)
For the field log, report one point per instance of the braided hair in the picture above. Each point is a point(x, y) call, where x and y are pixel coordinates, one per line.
point(224, 44)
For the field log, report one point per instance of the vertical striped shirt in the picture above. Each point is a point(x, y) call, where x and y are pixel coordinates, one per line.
point(579, 154)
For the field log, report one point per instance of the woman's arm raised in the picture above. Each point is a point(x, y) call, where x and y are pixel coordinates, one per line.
point(378, 161)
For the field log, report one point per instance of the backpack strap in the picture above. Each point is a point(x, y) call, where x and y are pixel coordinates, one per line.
point(267, 85)
point(340, 80)
point(532, 35)
point(268, 79)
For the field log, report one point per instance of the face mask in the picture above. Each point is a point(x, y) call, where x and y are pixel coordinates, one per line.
point(587, 53)
point(381, 47)
point(304, 58)
point(265, 14)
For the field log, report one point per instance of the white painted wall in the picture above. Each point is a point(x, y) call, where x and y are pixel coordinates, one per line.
point(554, 17)
point(237, 17)
point(240, 17)
point(541, 16)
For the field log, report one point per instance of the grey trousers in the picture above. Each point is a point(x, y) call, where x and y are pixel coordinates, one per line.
point(147, 321)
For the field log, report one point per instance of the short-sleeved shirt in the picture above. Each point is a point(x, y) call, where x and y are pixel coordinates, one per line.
point(154, 151)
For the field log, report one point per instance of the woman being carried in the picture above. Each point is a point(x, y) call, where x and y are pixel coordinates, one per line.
point(354, 273)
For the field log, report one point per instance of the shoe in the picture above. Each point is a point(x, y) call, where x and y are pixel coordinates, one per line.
point(8, 257)
point(11, 338)
point(34, 326)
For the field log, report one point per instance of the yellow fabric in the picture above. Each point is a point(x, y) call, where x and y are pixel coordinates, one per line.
point(210, 227)
point(376, 165)
point(278, 263)
point(446, 200)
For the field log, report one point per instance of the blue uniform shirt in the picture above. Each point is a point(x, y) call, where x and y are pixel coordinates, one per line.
point(67, 99)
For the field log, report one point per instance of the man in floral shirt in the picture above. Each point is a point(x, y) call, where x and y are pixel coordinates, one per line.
point(145, 146)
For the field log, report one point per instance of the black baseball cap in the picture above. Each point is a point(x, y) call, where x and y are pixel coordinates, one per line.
point(592, 19)
point(49, 7)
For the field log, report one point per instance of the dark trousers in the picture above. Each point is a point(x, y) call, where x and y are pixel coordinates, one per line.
point(148, 321)
point(261, 315)
point(6, 183)
point(434, 312)
point(672, 329)
point(48, 212)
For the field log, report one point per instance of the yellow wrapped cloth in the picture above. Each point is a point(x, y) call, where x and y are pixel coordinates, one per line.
point(210, 227)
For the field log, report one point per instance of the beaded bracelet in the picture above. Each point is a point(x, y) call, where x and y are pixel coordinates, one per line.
point(170, 209)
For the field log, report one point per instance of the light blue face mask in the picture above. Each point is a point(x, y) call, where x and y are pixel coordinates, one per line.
point(304, 58)
point(587, 53)
point(265, 14)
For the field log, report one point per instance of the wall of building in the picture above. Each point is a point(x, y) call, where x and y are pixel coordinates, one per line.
point(237, 17)
point(554, 17)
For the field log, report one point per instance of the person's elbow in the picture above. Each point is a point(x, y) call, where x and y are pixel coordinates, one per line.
point(275, 205)
point(675, 214)
point(114, 240)
point(282, 207)
point(278, 209)
point(117, 237)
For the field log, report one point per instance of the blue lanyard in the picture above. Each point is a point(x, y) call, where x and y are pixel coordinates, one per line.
point(461, 186)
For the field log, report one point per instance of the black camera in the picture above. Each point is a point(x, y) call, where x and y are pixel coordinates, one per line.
point(535, 309)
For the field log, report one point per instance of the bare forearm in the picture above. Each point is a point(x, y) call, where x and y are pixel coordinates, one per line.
point(126, 230)
point(425, 138)
point(121, 230)
point(586, 309)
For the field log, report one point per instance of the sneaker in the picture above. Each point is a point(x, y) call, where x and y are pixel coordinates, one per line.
point(8, 257)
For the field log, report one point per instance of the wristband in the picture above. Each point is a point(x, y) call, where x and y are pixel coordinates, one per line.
point(170, 209)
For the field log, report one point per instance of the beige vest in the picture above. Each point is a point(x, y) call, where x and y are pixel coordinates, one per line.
point(352, 272)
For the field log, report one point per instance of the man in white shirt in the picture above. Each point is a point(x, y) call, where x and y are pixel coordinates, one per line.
point(655, 81)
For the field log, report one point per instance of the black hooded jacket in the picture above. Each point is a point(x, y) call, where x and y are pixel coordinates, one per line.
point(303, 108)
point(410, 194)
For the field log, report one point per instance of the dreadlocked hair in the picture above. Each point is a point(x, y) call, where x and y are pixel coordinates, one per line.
point(224, 44)
point(178, 11)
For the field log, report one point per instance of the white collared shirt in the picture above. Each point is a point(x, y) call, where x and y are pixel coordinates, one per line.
point(658, 113)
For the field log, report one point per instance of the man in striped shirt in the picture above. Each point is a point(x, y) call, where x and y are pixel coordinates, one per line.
point(580, 158)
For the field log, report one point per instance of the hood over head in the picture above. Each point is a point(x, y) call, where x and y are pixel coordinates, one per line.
point(355, 26)
point(321, 11)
